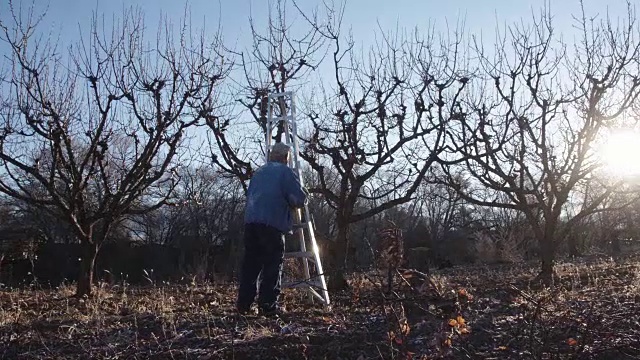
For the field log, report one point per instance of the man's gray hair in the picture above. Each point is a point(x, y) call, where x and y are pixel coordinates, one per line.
point(279, 151)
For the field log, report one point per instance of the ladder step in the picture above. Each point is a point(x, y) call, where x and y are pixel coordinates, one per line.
point(281, 94)
point(300, 254)
point(302, 284)
point(322, 299)
point(281, 118)
point(302, 225)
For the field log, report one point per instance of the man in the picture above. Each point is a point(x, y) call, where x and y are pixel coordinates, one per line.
point(273, 192)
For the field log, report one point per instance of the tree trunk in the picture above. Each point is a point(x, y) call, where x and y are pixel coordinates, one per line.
point(389, 280)
point(616, 249)
point(572, 243)
point(87, 264)
point(1, 260)
point(338, 257)
point(547, 260)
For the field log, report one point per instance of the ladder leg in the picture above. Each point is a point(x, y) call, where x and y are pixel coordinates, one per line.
point(316, 254)
point(303, 247)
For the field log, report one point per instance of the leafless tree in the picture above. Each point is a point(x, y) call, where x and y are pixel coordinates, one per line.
point(505, 234)
point(19, 239)
point(279, 60)
point(97, 132)
point(537, 115)
point(441, 208)
point(207, 207)
point(379, 124)
point(615, 217)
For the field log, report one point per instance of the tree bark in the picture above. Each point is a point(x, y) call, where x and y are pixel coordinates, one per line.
point(87, 264)
point(572, 243)
point(547, 257)
point(615, 243)
point(338, 253)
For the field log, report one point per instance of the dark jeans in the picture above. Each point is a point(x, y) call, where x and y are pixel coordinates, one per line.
point(263, 253)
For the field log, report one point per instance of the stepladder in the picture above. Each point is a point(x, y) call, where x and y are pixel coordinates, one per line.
point(282, 127)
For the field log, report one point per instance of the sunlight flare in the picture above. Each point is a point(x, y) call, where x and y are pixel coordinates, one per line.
point(621, 153)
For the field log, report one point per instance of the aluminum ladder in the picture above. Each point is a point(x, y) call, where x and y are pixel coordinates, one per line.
point(281, 115)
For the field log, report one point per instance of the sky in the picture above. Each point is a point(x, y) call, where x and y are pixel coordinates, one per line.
point(68, 18)
point(363, 16)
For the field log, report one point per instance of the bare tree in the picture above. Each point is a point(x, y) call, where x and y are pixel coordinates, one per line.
point(205, 212)
point(615, 217)
point(537, 117)
point(505, 234)
point(19, 239)
point(379, 124)
point(96, 133)
point(279, 60)
point(441, 208)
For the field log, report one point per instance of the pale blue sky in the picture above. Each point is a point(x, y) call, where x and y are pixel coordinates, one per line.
point(64, 16)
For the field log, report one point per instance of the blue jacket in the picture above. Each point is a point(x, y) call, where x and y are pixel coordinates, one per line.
point(273, 190)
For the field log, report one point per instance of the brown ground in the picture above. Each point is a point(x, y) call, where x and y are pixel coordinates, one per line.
point(466, 313)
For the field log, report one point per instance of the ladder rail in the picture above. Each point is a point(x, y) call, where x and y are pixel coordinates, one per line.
point(268, 133)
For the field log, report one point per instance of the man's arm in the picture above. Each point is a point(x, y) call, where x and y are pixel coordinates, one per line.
point(295, 194)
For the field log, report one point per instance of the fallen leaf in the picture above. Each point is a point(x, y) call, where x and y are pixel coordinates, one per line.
point(453, 322)
point(460, 320)
point(572, 342)
point(404, 329)
point(502, 348)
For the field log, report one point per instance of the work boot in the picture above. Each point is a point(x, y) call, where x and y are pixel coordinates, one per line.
point(269, 312)
point(244, 310)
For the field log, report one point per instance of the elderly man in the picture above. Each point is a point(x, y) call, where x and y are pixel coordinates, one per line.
point(273, 192)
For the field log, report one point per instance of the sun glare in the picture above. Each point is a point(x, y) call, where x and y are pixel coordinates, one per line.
point(621, 153)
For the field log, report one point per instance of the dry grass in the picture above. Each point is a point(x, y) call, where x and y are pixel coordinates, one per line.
point(591, 313)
